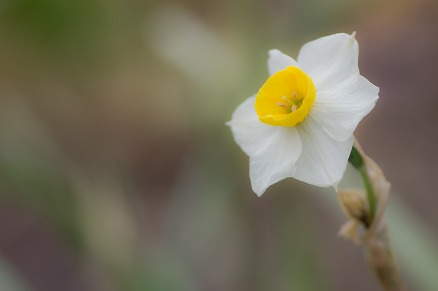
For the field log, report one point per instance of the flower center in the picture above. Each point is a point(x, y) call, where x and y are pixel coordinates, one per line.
point(286, 98)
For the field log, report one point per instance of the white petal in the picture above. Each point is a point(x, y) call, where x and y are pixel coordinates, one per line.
point(278, 61)
point(249, 133)
point(277, 161)
point(323, 160)
point(273, 150)
point(330, 60)
point(339, 111)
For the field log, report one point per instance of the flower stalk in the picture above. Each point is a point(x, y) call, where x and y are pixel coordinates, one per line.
point(380, 258)
point(357, 161)
point(367, 210)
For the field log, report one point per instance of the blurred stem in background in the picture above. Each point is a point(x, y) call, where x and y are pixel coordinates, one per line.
point(10, 279)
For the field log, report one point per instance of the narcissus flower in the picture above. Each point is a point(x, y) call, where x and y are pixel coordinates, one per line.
point(300, 124)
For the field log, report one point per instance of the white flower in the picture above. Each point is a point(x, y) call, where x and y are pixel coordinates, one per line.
point(301, 122)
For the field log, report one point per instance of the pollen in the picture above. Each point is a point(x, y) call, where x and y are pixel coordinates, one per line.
point(286, 98)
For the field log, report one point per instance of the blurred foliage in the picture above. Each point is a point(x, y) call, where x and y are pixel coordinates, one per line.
point(116, 169)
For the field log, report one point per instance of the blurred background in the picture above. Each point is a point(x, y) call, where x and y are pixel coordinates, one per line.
point(118, 173)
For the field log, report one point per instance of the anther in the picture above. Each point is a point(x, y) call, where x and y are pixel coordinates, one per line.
point(283, 104)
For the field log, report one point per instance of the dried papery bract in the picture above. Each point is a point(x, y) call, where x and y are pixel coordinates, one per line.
point(374, 237)
point(354, 205)
point(350, 231)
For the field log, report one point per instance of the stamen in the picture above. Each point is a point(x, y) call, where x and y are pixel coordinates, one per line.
point(290, 102)
point(288, 99)
point(294, 95)
point(283, 104)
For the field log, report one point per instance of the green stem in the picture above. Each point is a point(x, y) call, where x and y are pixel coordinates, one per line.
point(357, 161)
point(372, 201)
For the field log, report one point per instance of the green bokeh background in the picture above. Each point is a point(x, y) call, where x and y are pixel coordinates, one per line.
point(117, 171)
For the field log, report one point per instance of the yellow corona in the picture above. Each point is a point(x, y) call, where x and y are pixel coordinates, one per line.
point(286, 98)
